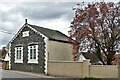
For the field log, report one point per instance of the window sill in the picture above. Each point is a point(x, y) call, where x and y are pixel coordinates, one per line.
point(33, 61)
point(18, 61)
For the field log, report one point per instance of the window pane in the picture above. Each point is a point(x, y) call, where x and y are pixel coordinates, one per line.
point(18, 53)
point(32, 51)
point(34, 54)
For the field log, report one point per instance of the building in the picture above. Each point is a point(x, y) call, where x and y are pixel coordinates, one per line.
point(33, 46)
point(91, 56)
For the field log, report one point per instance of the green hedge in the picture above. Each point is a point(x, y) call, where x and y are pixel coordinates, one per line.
point(90, 78)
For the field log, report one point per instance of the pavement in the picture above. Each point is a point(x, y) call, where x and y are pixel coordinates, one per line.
point(13, 74)
point(33, 75)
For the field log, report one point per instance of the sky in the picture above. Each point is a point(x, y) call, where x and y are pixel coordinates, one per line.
point(53, 14)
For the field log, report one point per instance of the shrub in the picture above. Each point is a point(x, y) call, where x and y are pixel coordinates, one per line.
point(90, 78)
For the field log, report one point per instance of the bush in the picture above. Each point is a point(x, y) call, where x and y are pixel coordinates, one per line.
point(90, 79)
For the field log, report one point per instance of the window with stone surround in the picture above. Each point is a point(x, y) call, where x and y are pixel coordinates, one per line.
point(33, 54)
point(19, 54)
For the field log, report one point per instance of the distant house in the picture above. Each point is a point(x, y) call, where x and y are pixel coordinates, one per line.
point(93, 58)
point(7, 57)
point(5, 61)
point(33, 46)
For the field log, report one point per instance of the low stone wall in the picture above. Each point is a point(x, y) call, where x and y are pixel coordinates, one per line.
point(104, 71)
point(69, 69)
point(82, 69)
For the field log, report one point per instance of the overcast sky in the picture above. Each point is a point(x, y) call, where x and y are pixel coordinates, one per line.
point(55, 15)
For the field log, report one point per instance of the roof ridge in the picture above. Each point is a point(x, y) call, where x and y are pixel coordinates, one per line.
point(42, 27)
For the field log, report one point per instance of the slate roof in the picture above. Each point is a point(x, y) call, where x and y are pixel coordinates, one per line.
point(93, 58)
point(51, 34)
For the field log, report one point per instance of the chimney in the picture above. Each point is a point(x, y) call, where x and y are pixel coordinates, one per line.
point(25, 21)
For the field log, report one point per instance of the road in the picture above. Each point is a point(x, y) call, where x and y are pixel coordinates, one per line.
point(13, 74)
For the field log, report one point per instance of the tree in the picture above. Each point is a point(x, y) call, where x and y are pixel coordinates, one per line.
point(96, 28)
point(3, 52)
point(116, 59)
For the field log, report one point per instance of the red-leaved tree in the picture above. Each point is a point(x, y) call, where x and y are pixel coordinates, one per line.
point(96, 28)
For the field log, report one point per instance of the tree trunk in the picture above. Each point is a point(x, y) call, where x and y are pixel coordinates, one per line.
point(110, 56)
point(109, 61)
point(98, 53)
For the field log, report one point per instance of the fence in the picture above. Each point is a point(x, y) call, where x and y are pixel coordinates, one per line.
point(82, 69)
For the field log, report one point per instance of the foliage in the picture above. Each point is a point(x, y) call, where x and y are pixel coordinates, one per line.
point(3, 52)
point(116, 59)
point(96, 28)
point(90, 79)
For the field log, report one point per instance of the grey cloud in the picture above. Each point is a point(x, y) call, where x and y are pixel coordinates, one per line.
point(45, 10)
point(40, 11)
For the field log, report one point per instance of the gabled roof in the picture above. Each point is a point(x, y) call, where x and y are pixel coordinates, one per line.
point(51, 34)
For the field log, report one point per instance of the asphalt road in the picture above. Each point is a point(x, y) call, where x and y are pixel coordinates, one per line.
point(13, 74)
